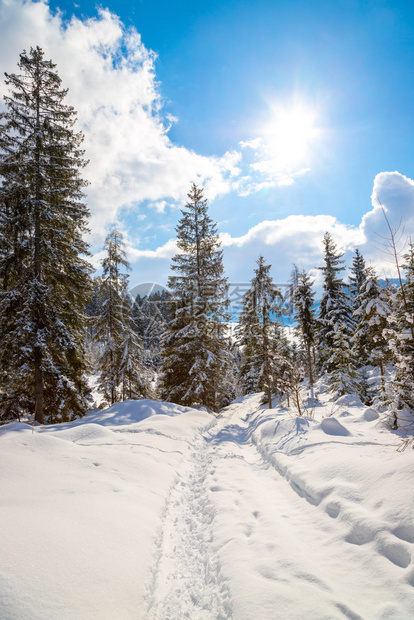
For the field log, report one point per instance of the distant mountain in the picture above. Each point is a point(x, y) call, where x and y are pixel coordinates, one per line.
point(145, 289)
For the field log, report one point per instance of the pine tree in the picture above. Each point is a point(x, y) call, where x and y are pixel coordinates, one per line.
point(44, 279)
point(304, 299)
point(284, 378)
point(132, 376)
point(369, 340)
point(150, 325)
point(401, 341)
point(335, 311)
point(295, 375)
point(248, 333)
point(357, 277)
point(195, 352)
point(121, 372)
point(289, 297)
point(258, 328)
point(342, 378)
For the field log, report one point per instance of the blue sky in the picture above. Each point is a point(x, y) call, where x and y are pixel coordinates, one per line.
point(289, 113)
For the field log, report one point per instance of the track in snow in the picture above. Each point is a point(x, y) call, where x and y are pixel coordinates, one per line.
point(187, 581)
point(239, 540)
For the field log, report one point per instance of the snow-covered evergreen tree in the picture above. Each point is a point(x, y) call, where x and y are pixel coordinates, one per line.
point(43, 276)
point(150, 325)
point(289, 296)
point(400, 334)
point(249, 340)
point(121, 371)
point(295, 373)
point(304, 299)
point(196, 357)
point(335, 311)
point(132, 375)
point(369, 341)
point(343, 376)
point(357, 280)
point(282, 361)
point(357, 277)
point(257, 332)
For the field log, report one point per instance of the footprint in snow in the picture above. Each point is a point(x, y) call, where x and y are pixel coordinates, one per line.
point(333, 509)
point(331, 426)
point(360, 535)
point(395, 553)
point(404, 532)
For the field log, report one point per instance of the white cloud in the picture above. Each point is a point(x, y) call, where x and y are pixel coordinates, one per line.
point(294, 239)
point(159, 206)
point(395, 193)
point(112, 85)
point(252, 144)
point(111, 79)
point(298, 238)
point(165, 251)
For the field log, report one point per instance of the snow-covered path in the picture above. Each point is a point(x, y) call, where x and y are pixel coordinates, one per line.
point(150, 511)
point(276, 544)
point(240, 540)
point(187, 581)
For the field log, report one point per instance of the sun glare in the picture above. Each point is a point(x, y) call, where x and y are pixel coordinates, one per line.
point(290, 135)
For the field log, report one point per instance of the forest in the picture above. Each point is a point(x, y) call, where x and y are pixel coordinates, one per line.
point(65, 330)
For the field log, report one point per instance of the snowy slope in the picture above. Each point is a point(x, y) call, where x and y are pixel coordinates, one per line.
point(151, 510)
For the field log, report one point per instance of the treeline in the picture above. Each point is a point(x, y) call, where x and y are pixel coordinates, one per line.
point(58, 324)
point(359, 337)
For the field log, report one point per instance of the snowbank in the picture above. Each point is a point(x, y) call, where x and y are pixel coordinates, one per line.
point(152, 511)
point(81, 509)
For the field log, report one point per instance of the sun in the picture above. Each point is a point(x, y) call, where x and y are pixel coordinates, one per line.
point(291, 134)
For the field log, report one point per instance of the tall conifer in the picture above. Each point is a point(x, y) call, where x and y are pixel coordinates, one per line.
point(357, 277)
point(303, 300)
point(195, 352)
point(401, 341)
point(122, 374)
point(44, 279)
point(369, 340)
point(259, 333)
point(335, 311)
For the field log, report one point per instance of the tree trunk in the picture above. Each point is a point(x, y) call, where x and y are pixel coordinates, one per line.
point(269, 397)
point(308, 348)
point(38, 354)
point(297, 400)
point(266, 359)
point(382, 376)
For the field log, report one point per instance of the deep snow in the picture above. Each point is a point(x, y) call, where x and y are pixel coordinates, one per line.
point(153, 511)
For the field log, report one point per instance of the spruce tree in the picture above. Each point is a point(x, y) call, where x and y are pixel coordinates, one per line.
point(342, 378)
point(258, 330)
point(132, 375)
point(284, 378)
point(335, 311)
point(289, 297)
point(196, 357)
point(401, 342)
point(122, 374)
point(304, 299)
point(357, 277)
point(150, 325)
point(371, 314)
point(44, 278)
point(248, 333)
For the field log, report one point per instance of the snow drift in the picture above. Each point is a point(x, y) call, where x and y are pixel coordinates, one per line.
point(151, 510)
